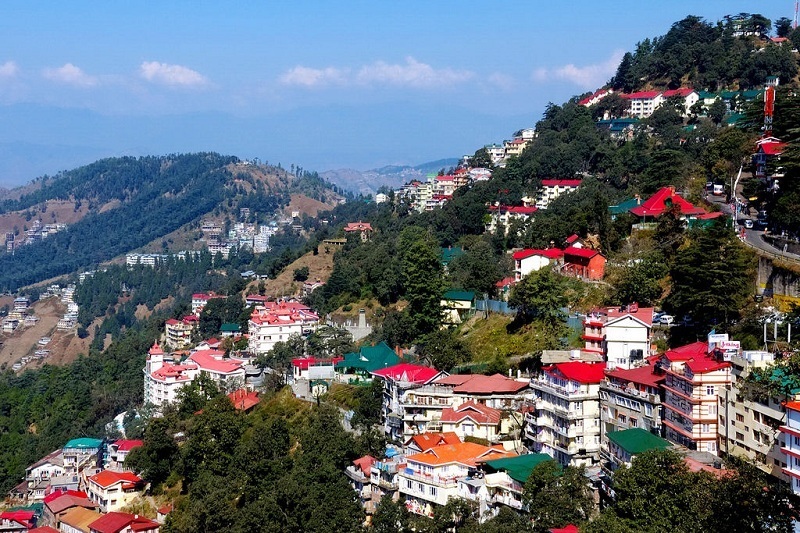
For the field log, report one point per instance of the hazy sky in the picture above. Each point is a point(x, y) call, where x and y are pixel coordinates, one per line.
point(319, 84)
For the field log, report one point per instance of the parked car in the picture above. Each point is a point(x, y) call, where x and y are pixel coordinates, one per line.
point(667, 320)
point(748, 223)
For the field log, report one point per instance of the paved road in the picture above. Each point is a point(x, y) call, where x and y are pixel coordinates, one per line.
point(753, 236)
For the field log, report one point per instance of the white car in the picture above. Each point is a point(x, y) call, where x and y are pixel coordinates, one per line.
point(667, 320)
point(748, 223)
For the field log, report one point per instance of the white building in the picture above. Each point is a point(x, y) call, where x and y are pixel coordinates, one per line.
point(532, 259)
point(431, 477)
point(163, 380)
point(643, 103)
point(277, 322)
point(791, 446)
point(568, 412)
point(552, 189)
point(621, 334)
point(506, 215)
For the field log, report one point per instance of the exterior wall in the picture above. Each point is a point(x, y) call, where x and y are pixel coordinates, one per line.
point(593, 335)
point(424, 486)
point(749, 428)
point(178, 335)
point(623, 407)
point(621, 338)
point(791, 446)
point(690, 407)
point(469, 428)
point(523, 267)
point(112, 498)
point(263, 337)
point(567, 420)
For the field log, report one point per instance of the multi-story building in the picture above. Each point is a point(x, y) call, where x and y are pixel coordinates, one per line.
point(163, 379)
point(514, 147)
point(749, 425)
point(643, 103)
point(397, 380)
point(179, 332)
point(201, 299)
point(113, 490)
point(791, 445)
point(423, 407)
point(631, 398)
point(431, 477)
point(506, 215)
point(568, 412)
point(552, 189)
point(694, 379)
point(621, 334)
point(277, 322)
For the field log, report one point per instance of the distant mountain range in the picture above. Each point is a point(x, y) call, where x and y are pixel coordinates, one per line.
point(393, 176)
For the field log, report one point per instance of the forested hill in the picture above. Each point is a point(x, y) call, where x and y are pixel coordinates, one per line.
point(129, 202)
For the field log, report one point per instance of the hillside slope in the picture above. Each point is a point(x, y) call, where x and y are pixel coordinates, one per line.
point(117, 205)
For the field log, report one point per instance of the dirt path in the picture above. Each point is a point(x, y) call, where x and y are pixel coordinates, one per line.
point(24, 341)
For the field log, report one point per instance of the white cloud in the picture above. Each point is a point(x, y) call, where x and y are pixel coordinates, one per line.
point(586, 77)
point(412, 73)
point(8, 69)
point(174, 75)
point(310, 77)
point(71, 75)
point(501, 81)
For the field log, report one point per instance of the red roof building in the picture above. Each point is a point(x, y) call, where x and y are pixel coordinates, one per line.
point(661, 201)
point(631, 398)
point(584, 263)
point(472, 419)
point(408, 373)
point(17, 520)
point(244, 400)
point(694, 380)
point(116, 522)
point(426, 441)
point(568, 394)
point(364, 228)
point(113, 490)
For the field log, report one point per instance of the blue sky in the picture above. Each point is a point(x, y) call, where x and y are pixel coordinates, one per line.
point(318, 84)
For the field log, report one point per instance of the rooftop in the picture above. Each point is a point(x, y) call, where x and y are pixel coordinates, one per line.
point(642, 375)
point(637, 440)
point(518, 468)
point(426, 441)
point(473, 410)
point(580, 371)
point(662, 200)
point(407, 372)
point(465, 453)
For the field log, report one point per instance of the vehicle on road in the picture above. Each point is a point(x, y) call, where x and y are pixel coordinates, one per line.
point(748, 223)
point(667, 320)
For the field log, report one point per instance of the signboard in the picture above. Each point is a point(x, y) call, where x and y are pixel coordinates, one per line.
point(730, 349)
point(716, 338)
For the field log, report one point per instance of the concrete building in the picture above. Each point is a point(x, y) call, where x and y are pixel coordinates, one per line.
point(750, 427)
point(631, 399)
point(568, 412)
point(695, 376)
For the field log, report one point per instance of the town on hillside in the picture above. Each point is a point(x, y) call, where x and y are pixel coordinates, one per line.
point(552, 336)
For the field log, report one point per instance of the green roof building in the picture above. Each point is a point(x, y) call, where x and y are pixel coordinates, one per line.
point(518, 468)
point(623, 207)
point(83, 443)
point(367, 360)
point(624, 445)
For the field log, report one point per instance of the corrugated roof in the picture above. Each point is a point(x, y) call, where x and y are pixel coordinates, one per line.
point(480, 413)
point(518, 468)
point(466, 453)
point(407, 372)
point(637, 440)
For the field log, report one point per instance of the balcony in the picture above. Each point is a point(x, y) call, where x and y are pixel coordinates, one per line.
point(356, 475)
point(386, 484)
point(567, 394)
point(505, 499)
point(633, 393)
point(430, 479)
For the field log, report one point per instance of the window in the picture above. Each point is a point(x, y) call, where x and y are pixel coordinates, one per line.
point(740, 418)
point(634, 423)
point(712, 410)
point(705, 428)
point(433, 491)
point(739, 436)
point(710, 390)
point(408, 483)
point(648, 409)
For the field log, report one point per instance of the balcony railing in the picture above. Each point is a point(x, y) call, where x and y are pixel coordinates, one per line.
point(430, 479)
point(652, 398)
point(570, 394)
